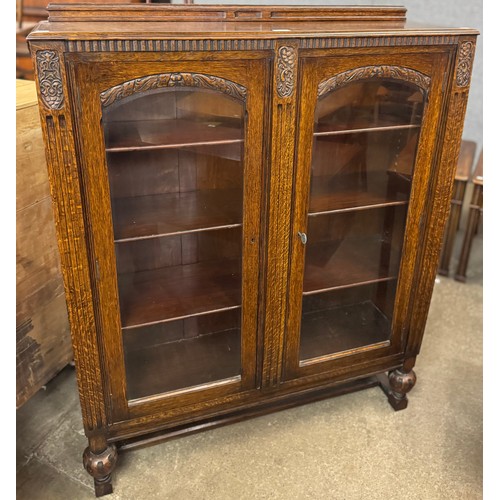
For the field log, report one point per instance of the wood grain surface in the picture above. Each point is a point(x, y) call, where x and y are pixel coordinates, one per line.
point(128, 275)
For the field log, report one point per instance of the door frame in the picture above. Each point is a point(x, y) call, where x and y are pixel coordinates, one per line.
point(95, 76)
point(317, 67)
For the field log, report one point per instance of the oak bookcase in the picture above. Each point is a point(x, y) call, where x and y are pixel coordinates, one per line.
point(249, 204)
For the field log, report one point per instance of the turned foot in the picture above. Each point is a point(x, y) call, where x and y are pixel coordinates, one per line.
point(400, 383)
point(99, 466)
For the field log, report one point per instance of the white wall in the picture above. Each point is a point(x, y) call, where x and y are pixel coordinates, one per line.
point(452, 13)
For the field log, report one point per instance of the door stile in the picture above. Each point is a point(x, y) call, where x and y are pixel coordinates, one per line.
point(300, 203)
point(459, 70)
point(419, 209)
point(101, 238)
point(58, 124)
point(283, 129)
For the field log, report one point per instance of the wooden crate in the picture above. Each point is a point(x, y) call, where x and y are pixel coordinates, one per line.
point(43, 345)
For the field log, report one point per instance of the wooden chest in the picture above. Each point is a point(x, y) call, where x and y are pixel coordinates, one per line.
point(43, 345)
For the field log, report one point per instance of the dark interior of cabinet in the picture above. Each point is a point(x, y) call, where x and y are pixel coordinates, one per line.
point(172, 277)
point(360, 170)
point(175, 167)
point(348, 248)
point(196, 350)
point(365, 143)
point(175, 171)
point(345, 319)
point(370, 104)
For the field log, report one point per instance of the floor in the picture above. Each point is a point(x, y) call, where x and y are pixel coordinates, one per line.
point(351, 447)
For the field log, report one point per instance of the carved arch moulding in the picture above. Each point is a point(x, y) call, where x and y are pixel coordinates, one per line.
point(166, 80)
point(369, 72)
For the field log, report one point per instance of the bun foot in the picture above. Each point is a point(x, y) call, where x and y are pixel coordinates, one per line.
point(397, 385)
point(400, 383)
point(100, 466)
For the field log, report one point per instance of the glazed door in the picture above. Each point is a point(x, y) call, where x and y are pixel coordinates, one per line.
point(365, 143)
point(173, 185)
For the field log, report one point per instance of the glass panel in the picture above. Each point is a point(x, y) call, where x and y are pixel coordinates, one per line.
point(175, 165)
point(365, 143)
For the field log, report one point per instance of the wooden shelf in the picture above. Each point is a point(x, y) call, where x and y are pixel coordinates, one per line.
point(341, 329)
point(351, 192)
point(341, 264)
point(328, 129)
point(164, 134)
point(160, 368)
point(229, 151)
point(144, 217)
point(160, 295)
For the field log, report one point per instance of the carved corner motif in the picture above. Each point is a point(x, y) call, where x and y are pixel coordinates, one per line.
point(368, 72)
point(50, 80)
point(464, 65)
point(286, 74)
point(173, 80)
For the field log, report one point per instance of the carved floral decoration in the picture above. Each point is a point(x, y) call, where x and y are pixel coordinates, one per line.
point(49, 77)
point(287, 63)
point(464, 66)
point(173, 80)
point(368, 72)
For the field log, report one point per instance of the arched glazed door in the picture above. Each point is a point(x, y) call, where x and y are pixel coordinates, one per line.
point(176, 228)
point(359, 158)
